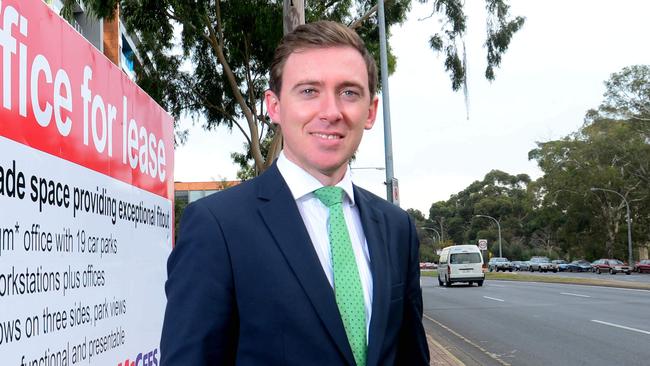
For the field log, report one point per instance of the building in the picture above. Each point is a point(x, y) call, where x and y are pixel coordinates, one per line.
point(188, 192)
point(109, 36)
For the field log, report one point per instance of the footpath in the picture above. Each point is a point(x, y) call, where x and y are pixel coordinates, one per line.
point(441, 356)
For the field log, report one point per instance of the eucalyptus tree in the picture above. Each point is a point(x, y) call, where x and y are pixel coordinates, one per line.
point(500, 195)
point(611, 150)
point(605, 154)
point(210, 58)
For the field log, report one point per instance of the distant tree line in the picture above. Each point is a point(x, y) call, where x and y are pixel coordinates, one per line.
point(559, 215)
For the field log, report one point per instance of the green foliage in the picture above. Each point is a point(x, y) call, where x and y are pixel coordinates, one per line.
point(558, 215)
point(428, 239)
point(500, 30)
point(179, 207)
point(210, 58)
point(606, 154)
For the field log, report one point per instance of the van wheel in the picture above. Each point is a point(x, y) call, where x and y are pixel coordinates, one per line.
point(479, 283)
point(447, 283)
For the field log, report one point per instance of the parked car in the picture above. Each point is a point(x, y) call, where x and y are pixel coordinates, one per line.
point(428, 265)
point(561, 264)
point(520, 266)
point(642, 266)
point(542, 264)
point(499, 264)
point(579, 265)
point(613, 266)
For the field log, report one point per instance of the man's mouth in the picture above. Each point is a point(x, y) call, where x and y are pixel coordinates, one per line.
point(327, 136)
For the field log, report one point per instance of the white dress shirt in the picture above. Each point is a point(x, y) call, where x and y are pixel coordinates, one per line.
point(315, 215)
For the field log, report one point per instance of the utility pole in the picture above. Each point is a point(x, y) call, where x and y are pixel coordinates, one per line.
point(293, 14)
point(385, 98)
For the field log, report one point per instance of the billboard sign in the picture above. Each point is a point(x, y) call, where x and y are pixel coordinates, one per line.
point(86, 190)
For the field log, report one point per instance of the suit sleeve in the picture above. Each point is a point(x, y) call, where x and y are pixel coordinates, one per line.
point(413, 348)
point(201, 320)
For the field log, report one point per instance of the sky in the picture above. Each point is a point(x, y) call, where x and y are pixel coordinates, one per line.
point(552, 73)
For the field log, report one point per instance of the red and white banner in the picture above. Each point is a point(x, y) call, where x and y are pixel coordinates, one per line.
point(86, 200)
point(60, 95)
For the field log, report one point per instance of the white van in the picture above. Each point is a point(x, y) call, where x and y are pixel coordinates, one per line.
point(461, 263)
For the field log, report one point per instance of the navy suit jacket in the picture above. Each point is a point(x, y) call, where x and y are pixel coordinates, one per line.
point(245, 285)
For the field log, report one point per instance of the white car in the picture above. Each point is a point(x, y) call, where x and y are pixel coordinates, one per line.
point(460, 263)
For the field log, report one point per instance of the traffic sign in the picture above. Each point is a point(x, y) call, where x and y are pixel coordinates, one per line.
point(482, 244)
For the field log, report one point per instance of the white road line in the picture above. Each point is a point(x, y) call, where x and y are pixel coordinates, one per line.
point(493, 285)
point(622, 327)
point(571, 294)
point(493, 298)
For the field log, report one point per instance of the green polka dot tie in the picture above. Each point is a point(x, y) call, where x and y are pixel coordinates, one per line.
point(347, 284)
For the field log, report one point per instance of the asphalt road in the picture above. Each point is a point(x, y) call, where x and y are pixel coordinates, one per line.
point(525, 323)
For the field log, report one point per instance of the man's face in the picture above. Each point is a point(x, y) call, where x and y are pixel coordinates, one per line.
point(323, 108)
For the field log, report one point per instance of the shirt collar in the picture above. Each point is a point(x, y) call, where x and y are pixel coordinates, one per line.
point(301, 183)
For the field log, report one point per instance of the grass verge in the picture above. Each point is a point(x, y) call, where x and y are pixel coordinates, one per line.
point(525, 277)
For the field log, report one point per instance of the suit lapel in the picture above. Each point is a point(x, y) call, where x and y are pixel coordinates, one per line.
point(283, 220)
point(375, 232)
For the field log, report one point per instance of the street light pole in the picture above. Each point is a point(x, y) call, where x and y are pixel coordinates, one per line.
point(385, 99)
point(498, 227)
point(630, 256)
point(434, 230)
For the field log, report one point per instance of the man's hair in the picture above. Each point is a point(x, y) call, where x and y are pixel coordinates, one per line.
point(321, 34)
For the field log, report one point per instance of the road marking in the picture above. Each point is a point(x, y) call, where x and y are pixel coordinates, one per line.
point(571, 294)
point(493, 285)
point(493, 298)
point(489, 354)
point(622, 327)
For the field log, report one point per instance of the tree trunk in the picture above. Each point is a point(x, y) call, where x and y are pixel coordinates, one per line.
point(294, 14)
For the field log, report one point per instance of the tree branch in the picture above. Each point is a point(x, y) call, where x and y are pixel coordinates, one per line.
point(357, 23)
point(210, 105)
point(216, 40)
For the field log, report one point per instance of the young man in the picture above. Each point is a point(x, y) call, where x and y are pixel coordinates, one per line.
point(299, 266)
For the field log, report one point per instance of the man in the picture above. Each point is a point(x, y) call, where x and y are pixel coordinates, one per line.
point(298, 266)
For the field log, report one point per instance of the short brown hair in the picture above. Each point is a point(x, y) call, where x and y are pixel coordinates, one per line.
point(321, 34)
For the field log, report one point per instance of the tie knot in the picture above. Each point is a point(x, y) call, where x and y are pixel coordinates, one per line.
point(330, 196)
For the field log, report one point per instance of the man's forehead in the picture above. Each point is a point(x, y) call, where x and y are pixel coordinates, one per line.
point(315, 65)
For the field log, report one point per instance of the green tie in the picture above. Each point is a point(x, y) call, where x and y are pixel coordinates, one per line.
point(347, 284)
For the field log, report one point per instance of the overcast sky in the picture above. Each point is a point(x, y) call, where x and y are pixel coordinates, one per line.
point(552, 73)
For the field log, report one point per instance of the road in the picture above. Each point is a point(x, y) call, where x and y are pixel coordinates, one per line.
point(525, 323)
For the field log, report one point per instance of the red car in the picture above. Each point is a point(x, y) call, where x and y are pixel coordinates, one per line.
point(643, 266)
point(613, 266)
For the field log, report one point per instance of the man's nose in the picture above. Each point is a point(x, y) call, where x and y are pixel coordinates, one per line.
point(330, 108)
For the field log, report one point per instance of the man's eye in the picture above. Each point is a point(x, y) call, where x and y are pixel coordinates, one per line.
point(309, 91)
point(350, 93)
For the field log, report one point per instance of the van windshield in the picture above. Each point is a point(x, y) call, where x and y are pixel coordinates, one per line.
point(465, 258)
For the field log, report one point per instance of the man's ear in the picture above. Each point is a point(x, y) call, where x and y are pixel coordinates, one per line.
point(272, 105)
point(372, 113)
